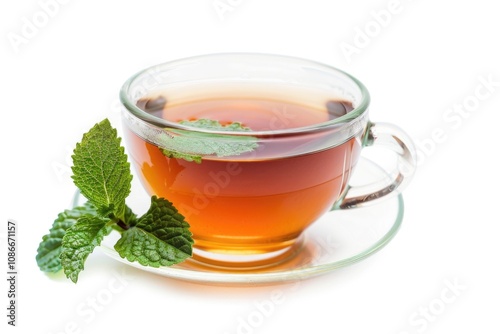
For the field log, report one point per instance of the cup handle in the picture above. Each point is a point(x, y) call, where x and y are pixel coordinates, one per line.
point(394, 139)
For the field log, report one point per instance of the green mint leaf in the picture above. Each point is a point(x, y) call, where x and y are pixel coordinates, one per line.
point(160, 237)
point(191, 146)
point(178, 155)
point(101, 171)
point(49, 249)
point(79, 241)
point(205, 123)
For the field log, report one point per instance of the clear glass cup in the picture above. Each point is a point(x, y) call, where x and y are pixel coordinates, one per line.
point(249, 195)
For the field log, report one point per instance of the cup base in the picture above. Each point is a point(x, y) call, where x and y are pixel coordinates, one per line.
point(248, 261)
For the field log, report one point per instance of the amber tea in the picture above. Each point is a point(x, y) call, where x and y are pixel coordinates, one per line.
point(253, 202)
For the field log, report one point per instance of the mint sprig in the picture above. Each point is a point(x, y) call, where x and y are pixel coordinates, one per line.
point(193, 146)
point(102, 174)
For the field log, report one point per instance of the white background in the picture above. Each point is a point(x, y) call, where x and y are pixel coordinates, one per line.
point(428, 57)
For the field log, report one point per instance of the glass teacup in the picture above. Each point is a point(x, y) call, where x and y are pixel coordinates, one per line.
point(252, 149)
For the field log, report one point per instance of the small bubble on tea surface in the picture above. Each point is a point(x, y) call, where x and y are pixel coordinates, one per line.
point(152, 104)
point(337, 108)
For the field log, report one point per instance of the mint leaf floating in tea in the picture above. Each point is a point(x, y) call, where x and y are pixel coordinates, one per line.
point(160, 237)
point(102, 174)
point(192, 146)
point(50, 248)
point(210, 124)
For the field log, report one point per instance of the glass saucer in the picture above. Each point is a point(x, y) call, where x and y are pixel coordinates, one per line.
point(338, 239)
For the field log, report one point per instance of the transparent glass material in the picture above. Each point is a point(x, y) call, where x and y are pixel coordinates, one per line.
point(237, 219)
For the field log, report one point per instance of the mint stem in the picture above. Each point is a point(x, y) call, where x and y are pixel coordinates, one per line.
point(122, 224)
